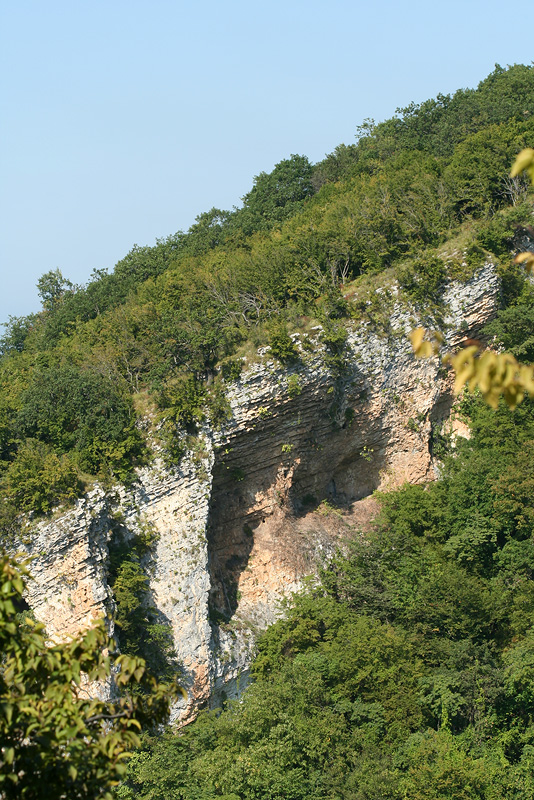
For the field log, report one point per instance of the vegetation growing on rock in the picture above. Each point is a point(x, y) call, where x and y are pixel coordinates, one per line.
point(407, 671)
point(426, 194)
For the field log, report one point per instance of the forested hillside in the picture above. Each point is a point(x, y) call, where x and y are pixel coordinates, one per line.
point(407, 670)
point(422, 197)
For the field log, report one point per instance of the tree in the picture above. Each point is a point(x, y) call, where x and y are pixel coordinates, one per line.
point(55, 741)
point(51, 287)
point(84, 412)
point(16, 331)
point(277, 195)
point(207, 231)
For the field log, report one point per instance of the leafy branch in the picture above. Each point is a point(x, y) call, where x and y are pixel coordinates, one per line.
point(56, 741)
point(493, 374)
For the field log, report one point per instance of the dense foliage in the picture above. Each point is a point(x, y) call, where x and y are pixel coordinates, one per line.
point(422, 197)
point(408, 671)
point(139, 629)
point(54, 740)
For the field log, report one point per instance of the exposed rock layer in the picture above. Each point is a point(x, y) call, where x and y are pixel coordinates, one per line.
point(244, 519)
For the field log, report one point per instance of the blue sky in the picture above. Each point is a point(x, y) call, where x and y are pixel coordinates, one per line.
point(121, 121)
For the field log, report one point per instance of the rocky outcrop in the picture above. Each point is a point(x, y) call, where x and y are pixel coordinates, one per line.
point(246, 516)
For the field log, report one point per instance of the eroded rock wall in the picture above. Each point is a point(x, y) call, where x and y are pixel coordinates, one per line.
point(241, 523)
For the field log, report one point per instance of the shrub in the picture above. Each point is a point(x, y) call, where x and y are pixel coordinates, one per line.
point(294, 386)
point(231, 369)
point(38, 479)
point(140, 629)
point(423, 278)
point(219, 408)
point(281, 344)
point(334, 336)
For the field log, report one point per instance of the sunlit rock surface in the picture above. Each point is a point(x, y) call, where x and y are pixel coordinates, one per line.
point(242, 521)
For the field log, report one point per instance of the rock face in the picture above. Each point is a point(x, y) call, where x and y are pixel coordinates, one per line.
point(246, 516)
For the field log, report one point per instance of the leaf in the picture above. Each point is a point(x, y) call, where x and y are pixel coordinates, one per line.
point(527, 259)
point(7, 710)
point(416, 337)
point(41, 711)
point(494, 374)
point(423, 348)
point(524, 161)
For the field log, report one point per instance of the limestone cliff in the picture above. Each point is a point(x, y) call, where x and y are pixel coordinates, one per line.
point(245, 517)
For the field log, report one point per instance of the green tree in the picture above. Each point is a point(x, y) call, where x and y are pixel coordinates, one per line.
point(278, 194)
point(51, 287)
point(39, 479)
point(54, 740)
point(82, 411)
point(16, 331)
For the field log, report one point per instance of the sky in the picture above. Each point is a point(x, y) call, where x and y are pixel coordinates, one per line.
point(122, 120)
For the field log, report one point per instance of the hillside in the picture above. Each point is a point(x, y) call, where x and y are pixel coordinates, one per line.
point(185, 439)
point(407, 671)
point(420, 198)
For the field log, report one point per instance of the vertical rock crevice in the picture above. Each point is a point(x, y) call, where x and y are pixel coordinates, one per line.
point(292, 470)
